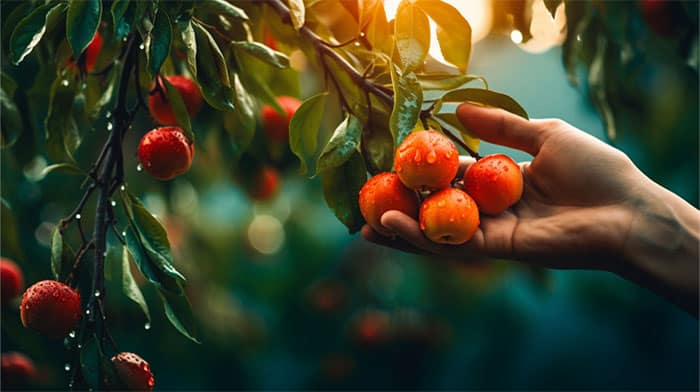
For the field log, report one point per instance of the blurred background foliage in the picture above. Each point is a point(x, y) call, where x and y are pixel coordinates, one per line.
point(286, 299)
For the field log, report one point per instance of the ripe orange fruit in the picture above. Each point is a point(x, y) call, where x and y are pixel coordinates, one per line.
point(382, 193)
point(426, 160)
point(165, 152)
point(159, 106)
point(133, 371)
point(495, 182)
point(277, 125)
point(449, 216)
point(50, 308)
point(11, 280)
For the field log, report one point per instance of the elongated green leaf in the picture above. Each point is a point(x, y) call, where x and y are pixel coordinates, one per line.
point(62, 256)
point(486, 98)
point(148, 243)
point(344, 142)
point(11, 124)
point(450, 121)
point(106, 90)
point(224, 8)
point(29, 31)
point(303, 128)
point(264, 53)
point(179, 109)
point(179, 313)
point(453, 32)
point(412, 34)
point(190, 40)
point(297, 11)
point(118, 10)
point(65, 168)
point(444, 81)
point(129, 286)
point(123, 14)
point(341, 188)
point(377, 30)
point(408, 98)
point(158, 43)
point(82, 22)
point(212, 72)
point(62, 137)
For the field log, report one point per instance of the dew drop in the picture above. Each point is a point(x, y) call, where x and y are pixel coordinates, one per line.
point(70, 385)
point(67, 367)
point(87, 311)
point(123, 188)
point(64, 83)
point(72, 334)
point(78, 216)
point(97, 292)
point(113, 203)
point(142, 47)
point(452, 219)
point(362, 34)
point(139, 167)
point(432, 157)
point(110, 126)
point(448, 154)
point(123, 233)
point(108, 115)
point(357, 44)
point(80, 345)
point(147, 326)
point(417, 157)
point(83, 86)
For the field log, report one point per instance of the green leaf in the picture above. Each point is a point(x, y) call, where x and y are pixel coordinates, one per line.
point(254, 83)
point(444, 81)
point(304, 126)
point(117, 11)
point(179, 313)
point(11, 124)
point(450, 121)
point(378, 31)
point(62, 137)
point(297, 11)
point(344, 142)
point(597, 85)
point(29, 31)
point(486, 98)
point(212, 72)
point(82, 22)
point(341, 188)
point(408, 98)
point(264, 53)
point(412, 34)
point(106, 90)
point(129, 286)
point(179, 109)
point(123, 14)
point(190, 40)
point(453, 32)
point(158, 43)
point(377, 143)
point(223, 7)
point(66, 168)
point(240, 124)
point(62, 256)
point(148, 243)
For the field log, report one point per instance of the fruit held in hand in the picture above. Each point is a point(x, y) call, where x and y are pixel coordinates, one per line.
point(17, 370)
point(266, 184)
point(159, 104)
point(277, 125)
point(382, 193)
point(50, 308)
point(495, 182)
point(449, 216)
point(11, 280)
point(426, 160)
point(133, 371)
point(165, 152)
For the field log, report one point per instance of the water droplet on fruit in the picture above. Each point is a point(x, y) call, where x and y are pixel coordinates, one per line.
point(147, 326)
point(78, 216)
point(139, 167)
point(462, 216)
point(399, 169)
point(417, 157)
point(448, 154)
point(441, 203)
point(452, 219)
point(72, 334)
point(422, 226)
point(431, 157)
point(110, 126)
point(64, 82)
point(151, 382)
point(67, 367)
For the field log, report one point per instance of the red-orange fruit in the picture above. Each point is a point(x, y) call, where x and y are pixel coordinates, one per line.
point(660, 15)
point(266, 184)
point(426, 161)
point(11, 280)
point(371, 327)
point(495, 182)
point(17, 370)
point(449, 216)
point(269, 39)
point(134, 372)
point(159, 105)
point(382, 193)
point(277, 125)
point(165, 152)
point(50, 308)
point(93, 51)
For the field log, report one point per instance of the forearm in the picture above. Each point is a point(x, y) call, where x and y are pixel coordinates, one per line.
point(662, 249)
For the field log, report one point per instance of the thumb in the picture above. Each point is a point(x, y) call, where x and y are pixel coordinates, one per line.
point(501, 127)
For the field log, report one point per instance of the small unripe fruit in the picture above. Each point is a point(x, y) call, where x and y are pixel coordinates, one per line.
point(382, 193)
point(265, 184)
point(165, 152)
point(50, 308)
point(159, 105)
point(495, 182)
point(426, 161)
point(449, 216)
point(277, 125)
point(134, 372)
point(11, 280)
point(17, 370)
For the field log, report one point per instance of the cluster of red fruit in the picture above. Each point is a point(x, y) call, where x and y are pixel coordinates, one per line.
point(52, 308)
point(428, 162)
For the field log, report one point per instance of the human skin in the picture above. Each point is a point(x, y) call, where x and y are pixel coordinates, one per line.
point(585, 205)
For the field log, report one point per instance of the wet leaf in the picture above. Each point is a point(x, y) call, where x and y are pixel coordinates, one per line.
point(82, 21)
point(453, 32)
point(486, 98)
point(344, 142)
point(303, 129)
point(30, 30)
point(341, 188)
point(272, 57)
point(412, 34)
point(158, 43)
point(129, 286)
point(408, 98)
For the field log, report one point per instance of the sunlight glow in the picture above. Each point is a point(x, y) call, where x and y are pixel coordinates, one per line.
point(479, 14)
point(516, 36)
point(546, 31)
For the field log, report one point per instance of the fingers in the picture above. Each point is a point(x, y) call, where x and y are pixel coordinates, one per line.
point(501, 127)
point(398, 243)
